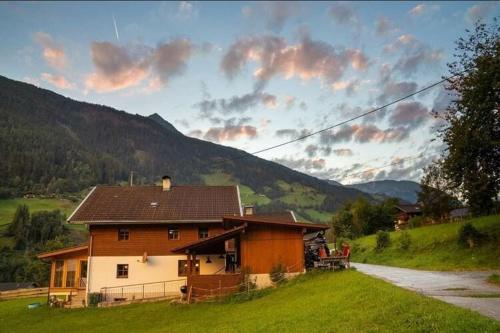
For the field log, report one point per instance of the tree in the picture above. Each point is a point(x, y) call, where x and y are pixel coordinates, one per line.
point(435, 195)
point(472, 133)
point(20, 226)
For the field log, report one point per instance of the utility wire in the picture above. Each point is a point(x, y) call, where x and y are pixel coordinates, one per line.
point(358, 116)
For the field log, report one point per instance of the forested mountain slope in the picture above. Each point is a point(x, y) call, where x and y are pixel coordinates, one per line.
point(53, 144)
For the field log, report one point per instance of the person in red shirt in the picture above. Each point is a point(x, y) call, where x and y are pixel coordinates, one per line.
point(322, 252)
point(346, 253)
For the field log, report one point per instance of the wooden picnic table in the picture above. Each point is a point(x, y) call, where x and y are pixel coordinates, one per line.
point(331, 262)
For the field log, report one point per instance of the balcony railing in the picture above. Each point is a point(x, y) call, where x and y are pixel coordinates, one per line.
point(140, 291)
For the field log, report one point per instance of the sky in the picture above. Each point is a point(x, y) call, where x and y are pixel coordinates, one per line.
point(255, 74)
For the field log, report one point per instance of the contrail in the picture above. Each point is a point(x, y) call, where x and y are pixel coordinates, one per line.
point(116, 28)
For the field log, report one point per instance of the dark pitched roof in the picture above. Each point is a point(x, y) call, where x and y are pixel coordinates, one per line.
point(410, 208)
point(282, 216)
point(254, 219)
point(109, 204)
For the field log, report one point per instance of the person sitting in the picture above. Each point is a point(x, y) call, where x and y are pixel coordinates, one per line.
point(322, 252)
point(346, 253)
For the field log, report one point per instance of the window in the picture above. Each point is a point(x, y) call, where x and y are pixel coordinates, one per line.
point(123, 234)
point(122, 271)
point(70, 273)
point(173, 233)
point(58, 276)
point(203, 232)
point(183, 267)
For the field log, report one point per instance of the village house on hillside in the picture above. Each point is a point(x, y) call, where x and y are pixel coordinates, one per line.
point(152, 240)
point(405, 213)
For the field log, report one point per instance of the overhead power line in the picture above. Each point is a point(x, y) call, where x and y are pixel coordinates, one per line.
point(356, 117)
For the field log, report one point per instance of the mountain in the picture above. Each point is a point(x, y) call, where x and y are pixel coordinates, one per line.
point(401, 189)
point(163, 123)
point(53, 144)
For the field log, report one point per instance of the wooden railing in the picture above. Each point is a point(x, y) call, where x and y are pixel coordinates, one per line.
point(24, 293)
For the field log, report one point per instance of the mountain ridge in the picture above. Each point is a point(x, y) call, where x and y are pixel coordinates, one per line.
point(54, 144)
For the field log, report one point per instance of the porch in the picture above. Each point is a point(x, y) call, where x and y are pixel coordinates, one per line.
point(228, 279)
point(68, 276)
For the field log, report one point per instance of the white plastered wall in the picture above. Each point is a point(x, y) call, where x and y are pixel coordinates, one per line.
point(102, 271)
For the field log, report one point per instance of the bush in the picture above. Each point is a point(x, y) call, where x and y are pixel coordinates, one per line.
point(277, 274)
point(404, 240)
point(416, 222)
point(94, 299)
point(383, 239)
point(469, 236)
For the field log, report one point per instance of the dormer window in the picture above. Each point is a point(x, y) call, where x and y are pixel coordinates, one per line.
point(123, 234)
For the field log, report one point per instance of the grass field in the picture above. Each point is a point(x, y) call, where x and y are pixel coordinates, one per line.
point(320, 302)
point(435, 248)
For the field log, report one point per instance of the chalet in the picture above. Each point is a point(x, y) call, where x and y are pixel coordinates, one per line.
point(148, 241)
point(405, 213)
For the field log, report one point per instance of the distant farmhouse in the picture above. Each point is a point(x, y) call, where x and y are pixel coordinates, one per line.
point(149, 241)
point(405, 213)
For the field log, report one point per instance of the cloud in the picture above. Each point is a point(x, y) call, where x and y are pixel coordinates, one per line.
point(302, 164)
point(343, 152)
point(479, 11)
point(289, 102)
point(363, 134)
point(417, 10)
point(233, 129)
point(57, 80)
point(53, 53)
point(303, 106)
point(120, 67)
point(410, 114)
point(422, 8)
point(291, 133)
point(343, 14)
point(306, 60)
point(383, 26)
point(236, 104)
point(274, 14)
point(350, 86)
point(393, 89)
point(186, 11)
point(311, 150)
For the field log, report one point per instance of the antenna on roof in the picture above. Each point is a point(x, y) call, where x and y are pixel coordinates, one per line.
point(131, 178)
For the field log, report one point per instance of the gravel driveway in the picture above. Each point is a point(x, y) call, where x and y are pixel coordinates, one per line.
point(464, 289)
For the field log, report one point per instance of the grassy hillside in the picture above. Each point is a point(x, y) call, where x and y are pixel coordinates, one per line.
point(321, 302)
point(8, 208)
point(435, 248)
point(305, 201)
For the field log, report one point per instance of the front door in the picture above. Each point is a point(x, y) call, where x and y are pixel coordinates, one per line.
point(82, 281)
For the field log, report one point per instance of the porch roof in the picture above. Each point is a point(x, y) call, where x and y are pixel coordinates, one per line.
point(309, 227)
point(210, 243)
point(66, 250)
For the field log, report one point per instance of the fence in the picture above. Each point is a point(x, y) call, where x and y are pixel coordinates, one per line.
point(24, 293)
point(130, 292)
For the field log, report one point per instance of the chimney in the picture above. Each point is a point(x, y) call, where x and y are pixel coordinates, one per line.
point(248, 210)
point(167, 183)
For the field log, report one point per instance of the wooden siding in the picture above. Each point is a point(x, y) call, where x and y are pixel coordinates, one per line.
point(265, 246)
point(215, 284)
point(152, 239)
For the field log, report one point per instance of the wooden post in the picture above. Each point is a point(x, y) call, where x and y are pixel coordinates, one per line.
point(142, 291)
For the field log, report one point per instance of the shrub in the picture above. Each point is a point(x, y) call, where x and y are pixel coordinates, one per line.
point(469, 236)
point(383, 239)
point(94, 299)
point(416, 222)
point(404, 240)
point(277, 274)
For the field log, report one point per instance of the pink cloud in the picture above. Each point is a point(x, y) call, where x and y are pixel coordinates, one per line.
point(57, 80)
point(53, 53)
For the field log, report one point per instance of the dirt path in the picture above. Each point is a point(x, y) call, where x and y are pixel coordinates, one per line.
point(465, 289)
